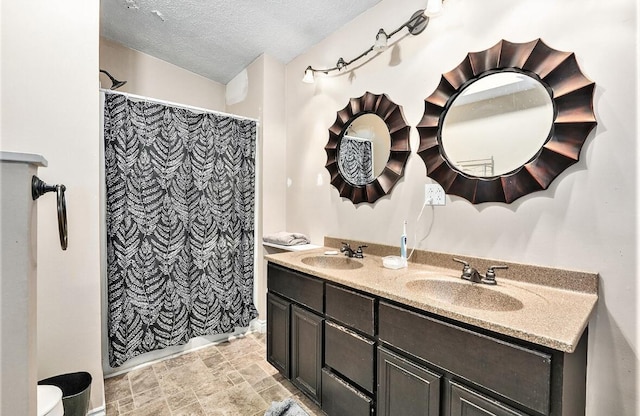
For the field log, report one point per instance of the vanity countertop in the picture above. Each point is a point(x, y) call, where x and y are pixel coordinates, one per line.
point(550, 315)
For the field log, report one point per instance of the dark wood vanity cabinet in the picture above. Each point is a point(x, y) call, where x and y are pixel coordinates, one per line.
point(359, 355)
point(295, 328)
point(486, 374)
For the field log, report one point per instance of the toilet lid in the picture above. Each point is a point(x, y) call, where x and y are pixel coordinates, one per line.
point(48, 398)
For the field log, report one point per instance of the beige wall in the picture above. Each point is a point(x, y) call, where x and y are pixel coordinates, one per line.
point(585, 220)
point(49, 105)
point(153, 77)
point(258, 92)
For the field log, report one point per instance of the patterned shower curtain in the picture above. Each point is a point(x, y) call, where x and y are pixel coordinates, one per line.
point(355, 159)
point(180, 224)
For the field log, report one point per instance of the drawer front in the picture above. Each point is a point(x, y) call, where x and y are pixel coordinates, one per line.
point(466, 402)
point(340, 399)
point(303, 289)
point(517, 373)
point(349, 354)
point(350, 308)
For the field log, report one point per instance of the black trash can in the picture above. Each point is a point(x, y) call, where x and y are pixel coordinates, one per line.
point(76, 391)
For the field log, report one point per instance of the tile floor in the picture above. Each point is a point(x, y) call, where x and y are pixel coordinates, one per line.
point(228, 379)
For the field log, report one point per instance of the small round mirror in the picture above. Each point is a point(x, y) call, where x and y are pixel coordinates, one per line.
point(375, 123)
point(364, 149)
point(497, 124)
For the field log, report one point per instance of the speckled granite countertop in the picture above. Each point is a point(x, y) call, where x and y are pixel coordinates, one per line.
point(552, 315)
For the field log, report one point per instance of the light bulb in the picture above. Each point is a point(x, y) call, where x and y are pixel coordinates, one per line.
point(381, 41)
point(308, 76)
point(434, 8)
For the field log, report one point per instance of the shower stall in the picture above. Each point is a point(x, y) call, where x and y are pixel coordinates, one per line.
point(178, 227)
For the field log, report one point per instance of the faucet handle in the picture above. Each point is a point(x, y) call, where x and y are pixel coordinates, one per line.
point(490, 277)
point(359, 252)
point(464, 263)
point(345, 246)
point(468, 273)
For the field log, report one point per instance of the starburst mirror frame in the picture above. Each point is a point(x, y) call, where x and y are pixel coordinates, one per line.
point(572, 98)
point(391, 114)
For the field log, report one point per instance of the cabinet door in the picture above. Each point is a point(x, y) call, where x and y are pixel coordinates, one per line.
point(405, 388)
point(278, 333)
point(306, 352)
point(467, 402)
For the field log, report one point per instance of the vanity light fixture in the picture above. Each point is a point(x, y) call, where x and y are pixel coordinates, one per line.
point(415, 25)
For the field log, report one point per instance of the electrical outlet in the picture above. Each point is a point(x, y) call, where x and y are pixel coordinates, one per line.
point(434, 194)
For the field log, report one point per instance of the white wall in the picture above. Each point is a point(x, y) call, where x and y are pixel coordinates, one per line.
point(585, 220)
point(49, 105)
point(153, 77)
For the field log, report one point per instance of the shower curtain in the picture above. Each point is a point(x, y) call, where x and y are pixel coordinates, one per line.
point(180, 224)
point(355, 159)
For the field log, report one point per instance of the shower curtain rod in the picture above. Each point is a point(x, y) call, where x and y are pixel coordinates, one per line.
point(172, 104)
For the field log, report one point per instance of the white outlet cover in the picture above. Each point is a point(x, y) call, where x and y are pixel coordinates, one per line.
point(434, 194)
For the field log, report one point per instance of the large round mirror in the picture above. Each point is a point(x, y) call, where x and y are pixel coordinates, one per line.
point(506, 121)
point(368, 148)
point(497, 124)
point(364, 149)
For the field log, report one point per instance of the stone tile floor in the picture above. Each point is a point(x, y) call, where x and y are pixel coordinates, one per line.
point(228, 379)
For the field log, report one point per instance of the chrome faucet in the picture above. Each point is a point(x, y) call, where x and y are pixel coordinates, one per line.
point(471, 274)
point(348, 251)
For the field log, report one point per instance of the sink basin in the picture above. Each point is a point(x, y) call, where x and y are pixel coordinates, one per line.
point(466, 294)
point(328, 262)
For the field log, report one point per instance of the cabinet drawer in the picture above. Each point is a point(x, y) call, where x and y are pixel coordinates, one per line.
point(517, 373)
point(351, 308)
point(340, 399)
point(466, 402)
point(349, 354)
point(301, 288)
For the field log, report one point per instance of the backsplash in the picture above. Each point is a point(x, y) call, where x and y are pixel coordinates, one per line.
point(559, 278)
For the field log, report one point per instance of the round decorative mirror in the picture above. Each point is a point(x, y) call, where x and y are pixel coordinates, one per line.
point(368, 148)
point(364, 149)
point(506, 122)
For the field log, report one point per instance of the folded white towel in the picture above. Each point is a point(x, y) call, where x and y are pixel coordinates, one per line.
point(285, 238)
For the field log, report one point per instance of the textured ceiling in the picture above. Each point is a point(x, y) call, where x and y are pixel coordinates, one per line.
point(217, 38)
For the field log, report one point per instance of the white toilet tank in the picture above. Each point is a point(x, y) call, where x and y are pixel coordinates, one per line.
point(50, 401)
